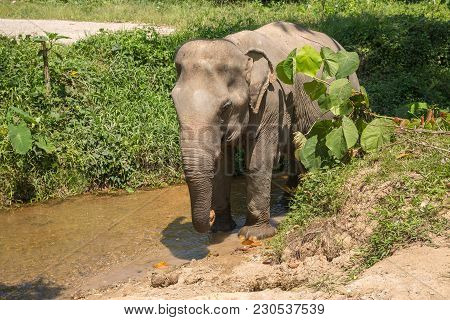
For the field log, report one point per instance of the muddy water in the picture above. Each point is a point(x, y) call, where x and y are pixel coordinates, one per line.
point(57, 249)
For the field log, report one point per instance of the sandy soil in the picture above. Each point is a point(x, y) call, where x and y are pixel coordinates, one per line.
point(73, 29)
point(417, 272)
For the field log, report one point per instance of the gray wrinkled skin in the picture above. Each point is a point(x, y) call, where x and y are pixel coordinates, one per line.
point(227, 95)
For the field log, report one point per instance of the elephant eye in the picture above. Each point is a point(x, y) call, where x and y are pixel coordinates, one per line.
point(226, 105)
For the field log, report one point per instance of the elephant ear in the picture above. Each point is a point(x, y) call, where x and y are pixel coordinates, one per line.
point(260, 75)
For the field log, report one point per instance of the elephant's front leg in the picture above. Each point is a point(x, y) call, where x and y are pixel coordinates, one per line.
point(260, 161)
point(221, 192)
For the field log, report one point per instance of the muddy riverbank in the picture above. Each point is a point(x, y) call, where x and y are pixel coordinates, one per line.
point(59, 248)
point(107, 247)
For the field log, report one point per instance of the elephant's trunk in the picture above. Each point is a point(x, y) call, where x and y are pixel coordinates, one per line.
point(198, 166)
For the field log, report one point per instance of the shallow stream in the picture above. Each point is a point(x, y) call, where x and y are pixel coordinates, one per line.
point(55, 249)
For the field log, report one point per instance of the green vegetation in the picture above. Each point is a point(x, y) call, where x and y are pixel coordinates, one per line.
point(108, 117)
point(403, 46)
point(416, 170)
point(109, 121)
point(336, 140)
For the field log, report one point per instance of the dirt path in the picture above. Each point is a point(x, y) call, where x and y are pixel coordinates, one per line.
point(73, 29)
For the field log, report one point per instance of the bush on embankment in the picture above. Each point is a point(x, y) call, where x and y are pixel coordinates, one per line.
point(110, 115)
point(357, 214)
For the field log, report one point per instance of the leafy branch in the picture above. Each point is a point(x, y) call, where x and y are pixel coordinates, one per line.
point(333, 141)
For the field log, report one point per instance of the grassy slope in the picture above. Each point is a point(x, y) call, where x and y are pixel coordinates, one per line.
point(110, 114)
point(412, 179)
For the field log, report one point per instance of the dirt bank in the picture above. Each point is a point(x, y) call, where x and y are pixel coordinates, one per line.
point(417, 272)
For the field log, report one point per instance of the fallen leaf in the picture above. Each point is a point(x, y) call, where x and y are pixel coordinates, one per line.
point(247, 242)
point(402, 155)
point(404, 123)
point(256, 244)
point(161, 265)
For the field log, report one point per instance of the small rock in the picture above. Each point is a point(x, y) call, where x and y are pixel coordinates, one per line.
point(161, 280)
point(173, 278)
point(192, 279)
point(293, 264)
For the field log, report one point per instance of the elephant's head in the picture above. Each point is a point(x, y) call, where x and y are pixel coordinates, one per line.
point(218, 86)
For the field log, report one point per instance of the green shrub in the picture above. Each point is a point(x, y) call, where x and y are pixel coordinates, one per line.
point(415, 166)
point(109, 115)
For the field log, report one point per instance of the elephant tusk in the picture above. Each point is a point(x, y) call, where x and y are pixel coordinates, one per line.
point(212, 217)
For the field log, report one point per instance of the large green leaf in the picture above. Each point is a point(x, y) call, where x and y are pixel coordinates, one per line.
point(335, 141)
point(341, 109)
point(314, 89)
point(339, 94)
point(348, 63)
point(341, 90)
point(350, 132)
point(320, 128)
point(330, 62)
point(308, 155)
point(324, 102)
point(286, 78)
point(340, 139)
point(20, 138)
point(45, 145)
point(308, 61)
point(377, 133)
point(285, 69)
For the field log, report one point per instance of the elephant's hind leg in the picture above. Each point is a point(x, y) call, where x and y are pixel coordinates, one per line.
point(221, 193)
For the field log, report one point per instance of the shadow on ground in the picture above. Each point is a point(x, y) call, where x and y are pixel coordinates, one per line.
point(39, 289)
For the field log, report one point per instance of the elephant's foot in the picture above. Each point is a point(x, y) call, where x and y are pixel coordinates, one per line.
point(257, 232)
point(223, 223)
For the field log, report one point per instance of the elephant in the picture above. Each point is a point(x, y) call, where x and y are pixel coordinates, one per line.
point(227, 95)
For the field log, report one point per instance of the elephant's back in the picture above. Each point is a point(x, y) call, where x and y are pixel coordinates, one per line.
point(288, 36)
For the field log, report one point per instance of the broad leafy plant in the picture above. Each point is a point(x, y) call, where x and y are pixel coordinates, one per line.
point(21, 137)
point(352, 126)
